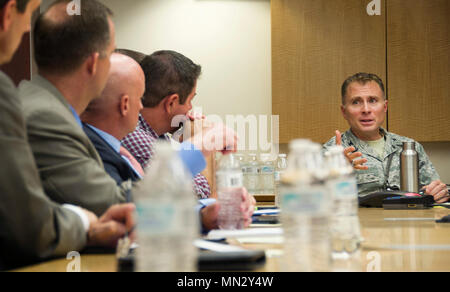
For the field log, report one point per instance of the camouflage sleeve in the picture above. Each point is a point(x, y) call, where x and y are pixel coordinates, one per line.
point(331, 142)
point(427, 172)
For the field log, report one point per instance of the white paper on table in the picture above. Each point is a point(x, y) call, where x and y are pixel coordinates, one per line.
point(251, 232)
point(263, 240)
point(274, 253)
point(217, 247)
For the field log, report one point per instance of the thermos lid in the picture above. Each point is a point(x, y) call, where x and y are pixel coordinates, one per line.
point(409, 146)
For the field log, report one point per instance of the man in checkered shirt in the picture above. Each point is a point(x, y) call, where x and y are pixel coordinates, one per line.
point(170, 81)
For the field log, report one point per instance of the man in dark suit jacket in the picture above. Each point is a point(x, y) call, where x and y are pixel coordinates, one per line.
point(33, 228)
point(115, 164)
point(108, 119)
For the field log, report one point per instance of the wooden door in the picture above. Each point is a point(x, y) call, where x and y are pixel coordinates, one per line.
point(316, 45)
point(419, 69)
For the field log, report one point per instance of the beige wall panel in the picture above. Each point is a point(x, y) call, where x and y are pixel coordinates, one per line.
point(419, 69)
point(315, 46)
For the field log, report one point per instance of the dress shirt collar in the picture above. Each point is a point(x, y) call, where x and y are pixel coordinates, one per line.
point(115, 144)
point(143, 124)
point(111, 140)
point(147, 128)
point(76, 116)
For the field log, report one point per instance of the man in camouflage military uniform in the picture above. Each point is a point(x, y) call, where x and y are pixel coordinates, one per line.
point(374, 152)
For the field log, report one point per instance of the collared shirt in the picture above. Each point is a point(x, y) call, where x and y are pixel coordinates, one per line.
point(384, 171)
point(115, 144)
point(76, 116)
point(141, 142)
point(377, 146)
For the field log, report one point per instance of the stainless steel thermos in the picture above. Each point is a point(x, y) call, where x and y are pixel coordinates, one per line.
point(409, 168)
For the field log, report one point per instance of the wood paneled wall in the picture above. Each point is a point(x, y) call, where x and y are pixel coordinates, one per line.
point(419, 69)
point(317, 44)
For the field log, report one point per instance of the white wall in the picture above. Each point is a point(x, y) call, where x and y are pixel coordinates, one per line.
point(230, 39)
point(439, 153)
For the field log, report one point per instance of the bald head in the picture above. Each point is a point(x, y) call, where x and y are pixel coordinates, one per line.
point(116, 111)
point(125, 75)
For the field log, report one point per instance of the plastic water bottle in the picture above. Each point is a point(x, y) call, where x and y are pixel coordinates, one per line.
point(345, 226)
point(267, 175)
point(305, 215)
point(241, 160)
point(229, 192)
point(251, 174)
point(279, 171)
point(167, 221)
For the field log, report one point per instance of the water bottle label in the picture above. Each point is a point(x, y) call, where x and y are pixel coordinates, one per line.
point(277, 175)
point(159, 218)
point(305, 201)
point(345, 188)
point(266, 169)
point(230, 180)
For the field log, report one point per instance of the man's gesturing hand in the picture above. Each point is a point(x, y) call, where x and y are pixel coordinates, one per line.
point(351, 155)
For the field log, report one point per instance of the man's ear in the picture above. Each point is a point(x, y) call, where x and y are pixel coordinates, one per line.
point(343, 112)
point(385, 105)
point(92, 63)
point(124, 105)
point(170, 102)
point(6, 15)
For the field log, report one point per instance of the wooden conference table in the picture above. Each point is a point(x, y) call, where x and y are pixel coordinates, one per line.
point(404, 240)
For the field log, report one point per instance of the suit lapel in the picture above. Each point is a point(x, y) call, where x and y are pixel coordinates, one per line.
point(120, 163)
